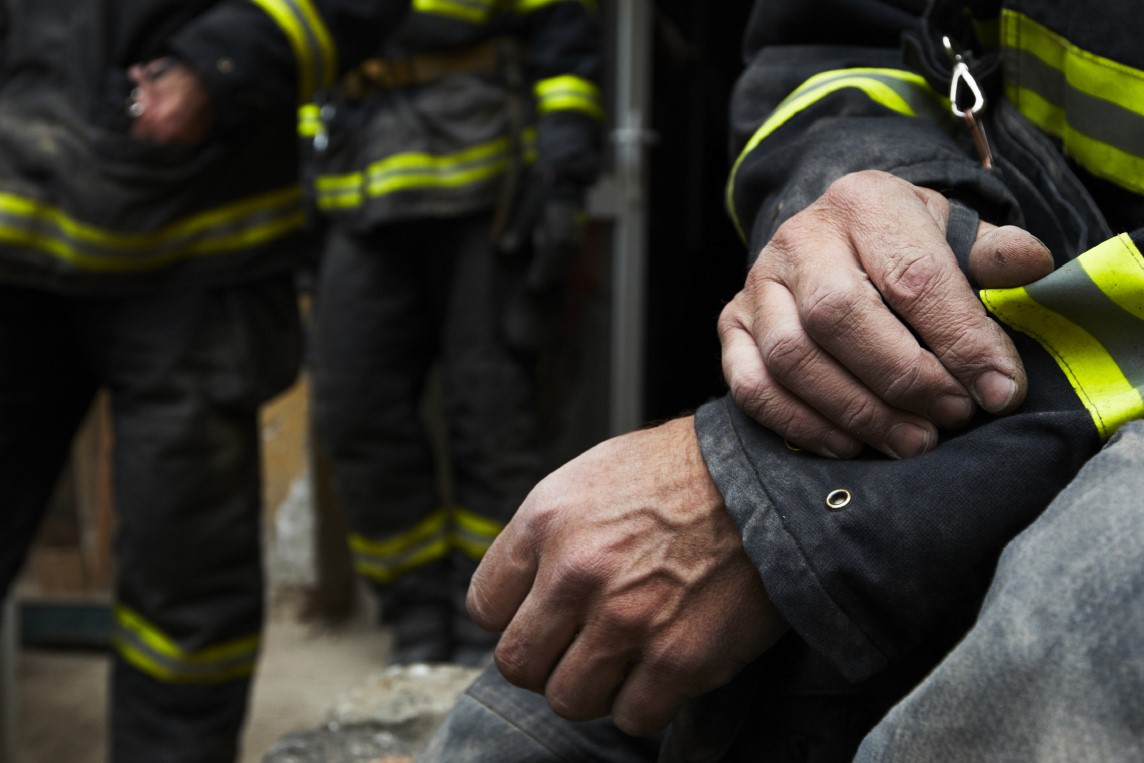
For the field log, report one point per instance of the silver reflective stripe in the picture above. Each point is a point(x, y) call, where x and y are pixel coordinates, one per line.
point(1099, 119)
point(235, 227)
point(150, 650)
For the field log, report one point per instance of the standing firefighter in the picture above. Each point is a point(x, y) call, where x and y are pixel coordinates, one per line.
point(453, 170)
point(148, 212)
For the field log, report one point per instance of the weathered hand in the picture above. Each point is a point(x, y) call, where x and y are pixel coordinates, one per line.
point(816, 345)
point(622, 585)
point(172, 102)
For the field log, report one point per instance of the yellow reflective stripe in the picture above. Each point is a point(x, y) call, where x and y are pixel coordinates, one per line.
point(1117, 268)
point(149, 649)
point(1092, 104)
point(426, 171)
point(472, 11)
point(473, 533)
point(899, 91)
point(568, 92)
point(309, 120)
point(310, 40)
point(340, 191)
point(245, 224)
point(340, 183)
point(1095, 75)
point(1096, 345)
point(387, 573)
point(419, 170)
point(1099, 158)
point(386, 560)
point(528, 6)
point(432, 525)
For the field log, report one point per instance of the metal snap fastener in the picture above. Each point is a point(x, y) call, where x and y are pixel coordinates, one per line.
point(225, 65)
point(837, 500)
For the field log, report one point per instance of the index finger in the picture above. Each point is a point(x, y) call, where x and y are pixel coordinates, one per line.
point(503, 579)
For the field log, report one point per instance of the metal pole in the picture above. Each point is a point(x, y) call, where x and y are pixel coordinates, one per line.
point(629, 283)
point(9, 628)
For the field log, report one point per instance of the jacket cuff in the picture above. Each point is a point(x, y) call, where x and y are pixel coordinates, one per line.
point(244, 62)
point(787, 573)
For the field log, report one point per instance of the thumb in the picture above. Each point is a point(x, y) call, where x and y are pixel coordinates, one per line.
point(1008, 256)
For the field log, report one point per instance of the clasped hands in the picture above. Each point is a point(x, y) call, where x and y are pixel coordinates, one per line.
point(621, 585)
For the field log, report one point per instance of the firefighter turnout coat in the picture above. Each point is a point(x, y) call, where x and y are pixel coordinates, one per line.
point(879, 565)
point(84, 206)
point(464, 96)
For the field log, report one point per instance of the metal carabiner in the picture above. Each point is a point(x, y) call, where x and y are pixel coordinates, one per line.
point(963, 77)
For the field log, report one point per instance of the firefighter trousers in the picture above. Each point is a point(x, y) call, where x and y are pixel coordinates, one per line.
point(390, 306)
point(187, 371)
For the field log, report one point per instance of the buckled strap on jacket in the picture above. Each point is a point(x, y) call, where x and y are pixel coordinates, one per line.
point(961, 233)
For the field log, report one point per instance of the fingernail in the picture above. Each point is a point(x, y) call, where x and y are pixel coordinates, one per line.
point(951, 410)
point(994, 391)
point(907, 440)
point(841, 445)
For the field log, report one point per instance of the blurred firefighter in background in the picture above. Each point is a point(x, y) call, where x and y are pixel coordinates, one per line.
point(451, 171)
point(149, 208)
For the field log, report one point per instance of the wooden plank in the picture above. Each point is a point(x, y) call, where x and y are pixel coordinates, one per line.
point(334, 596)
point(94, 493)
point(71, 556)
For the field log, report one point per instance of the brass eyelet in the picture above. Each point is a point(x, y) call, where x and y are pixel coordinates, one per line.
point(839, 499)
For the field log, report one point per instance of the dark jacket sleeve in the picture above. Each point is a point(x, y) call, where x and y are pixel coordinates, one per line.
point(565, 59)
point(815, 103)
point(260, 56)
point(869, 558)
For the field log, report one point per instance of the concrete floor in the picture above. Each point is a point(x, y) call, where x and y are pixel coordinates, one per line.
point(304, 667)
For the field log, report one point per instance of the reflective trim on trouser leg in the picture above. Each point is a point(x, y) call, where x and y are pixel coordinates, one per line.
point(385, 560)
point(472, 533)
point(149, 649)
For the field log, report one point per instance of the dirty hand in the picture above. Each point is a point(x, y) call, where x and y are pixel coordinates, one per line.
point(622, 585)
point(816, 345)
point(170, 103)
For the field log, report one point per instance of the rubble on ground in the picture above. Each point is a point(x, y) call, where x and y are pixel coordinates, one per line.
point(386, 720)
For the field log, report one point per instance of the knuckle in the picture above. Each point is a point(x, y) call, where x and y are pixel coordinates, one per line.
point(733, 317)
point(785, 353)
point(540, 510)
point(861, 418)
point(905, 382)
point(582, 569)
point(514, 666)
point(851, 192)
point(750, 393)
point(728, 318)
point(671, 665)
point(847, 187)
point(914, 278)
point(783, 246)
point(626, 623)
point(973, 346)
point(828, 307)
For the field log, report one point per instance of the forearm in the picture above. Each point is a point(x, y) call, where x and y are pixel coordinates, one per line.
point(909, 544)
